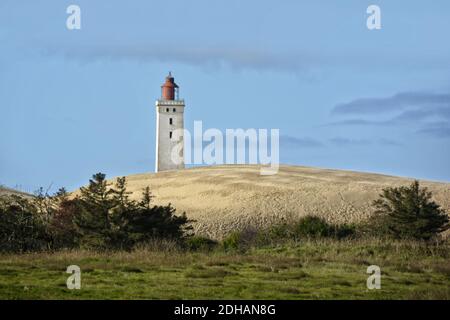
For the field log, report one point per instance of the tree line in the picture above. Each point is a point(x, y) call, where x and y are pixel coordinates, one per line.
point(102, 216)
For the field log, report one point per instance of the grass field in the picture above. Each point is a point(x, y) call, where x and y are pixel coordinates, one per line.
point(325, 269)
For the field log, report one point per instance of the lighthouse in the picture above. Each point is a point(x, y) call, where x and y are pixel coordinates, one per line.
point(169, 128)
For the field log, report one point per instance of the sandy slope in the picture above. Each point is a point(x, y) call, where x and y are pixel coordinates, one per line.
point(8, 191)
point(225, 198)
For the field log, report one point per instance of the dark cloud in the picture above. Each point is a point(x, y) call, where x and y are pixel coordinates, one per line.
point(351, 122)
point(428, 111)
point(350, 142)
point(237, 57)
point(389, 142)
point(395, 103)
point(405, 117)
point(201, 56)
point(294, 142)
point(288, 141)
point(437, 130)
point(442, 112)
point(346, 142)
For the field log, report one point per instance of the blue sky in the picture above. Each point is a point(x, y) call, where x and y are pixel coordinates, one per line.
point(77, 102)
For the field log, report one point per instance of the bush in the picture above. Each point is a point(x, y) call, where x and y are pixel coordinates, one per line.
point(232, 241)
point(409, 212)
point(61, 227)
point(143, 224)
point(22, 229)
point(278, 232)
point(241, 240)
point(196, 243)
point(344, 231)
point(305, 227)
point(312, 226)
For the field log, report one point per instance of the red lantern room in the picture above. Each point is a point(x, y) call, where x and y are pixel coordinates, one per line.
point(169, 90)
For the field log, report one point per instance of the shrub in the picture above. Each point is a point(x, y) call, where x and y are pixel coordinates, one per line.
point(200, 243)
point(409, 212)
point(232, 241)
point(61, 227)
point(305, 227)
point(279, 231)
point(344, 231)
point(312, 226)
point(241, 240)
point(276, 234)
point(22, 229)
point(142, 224)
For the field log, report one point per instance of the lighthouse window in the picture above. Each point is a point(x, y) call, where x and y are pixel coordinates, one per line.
point(174, 110)
point(170, 135)
point(170, 121)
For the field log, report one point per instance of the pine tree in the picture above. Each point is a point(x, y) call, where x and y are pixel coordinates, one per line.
point(157, 222)
point(95, 208)
point(120, 193)
point(123, 208)
point(146, 198)
point(410, 212)
point(61, 195)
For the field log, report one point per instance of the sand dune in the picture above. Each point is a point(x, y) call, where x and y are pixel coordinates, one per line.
point(225, 198)
point(9, 191)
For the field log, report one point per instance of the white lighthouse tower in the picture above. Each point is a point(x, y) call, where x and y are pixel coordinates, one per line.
point(169, 128)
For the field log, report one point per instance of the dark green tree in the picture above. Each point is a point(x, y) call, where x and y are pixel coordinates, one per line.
point(106, 217)
point(146, 223)
point(61, 195)
point(120, 195)
point(146, 198)
point(123, 207)
point(94, 212)
point(22, 228)
point(410, 212)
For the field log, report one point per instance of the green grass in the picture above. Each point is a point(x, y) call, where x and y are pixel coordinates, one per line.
point(307, 270)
